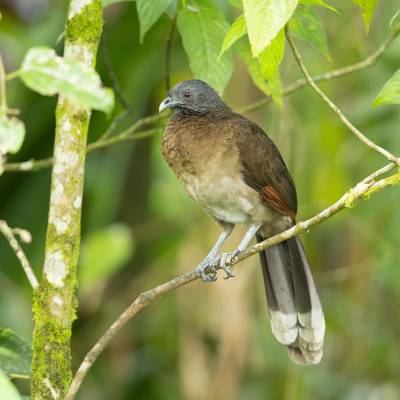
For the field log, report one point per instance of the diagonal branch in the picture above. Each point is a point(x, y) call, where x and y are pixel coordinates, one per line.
point(334, 107)
point(362, 190)
point(25, 236)
point(125, 136)
point(336, 73)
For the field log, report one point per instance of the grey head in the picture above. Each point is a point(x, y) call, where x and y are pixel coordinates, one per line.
point(193, 97)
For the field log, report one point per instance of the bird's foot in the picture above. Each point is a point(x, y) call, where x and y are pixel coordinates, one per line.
point(227, 260)
point(206, 269)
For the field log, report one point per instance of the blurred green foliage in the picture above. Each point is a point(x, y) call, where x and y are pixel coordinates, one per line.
point(214, 341)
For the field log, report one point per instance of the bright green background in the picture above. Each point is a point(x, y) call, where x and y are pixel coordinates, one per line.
point(214, 341)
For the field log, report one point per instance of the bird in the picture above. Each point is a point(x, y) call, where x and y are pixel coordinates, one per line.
point(230, 167)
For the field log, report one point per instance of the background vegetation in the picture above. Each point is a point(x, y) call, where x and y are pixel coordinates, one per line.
point(140, 229)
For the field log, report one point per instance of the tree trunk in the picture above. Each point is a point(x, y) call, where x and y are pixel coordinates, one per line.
point(55, 302)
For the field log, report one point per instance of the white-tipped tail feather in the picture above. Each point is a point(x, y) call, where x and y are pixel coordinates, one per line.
point(297, 319)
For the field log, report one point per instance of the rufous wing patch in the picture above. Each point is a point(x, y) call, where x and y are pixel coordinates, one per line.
point(274, 200)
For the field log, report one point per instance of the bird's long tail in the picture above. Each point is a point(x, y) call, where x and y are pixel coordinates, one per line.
point(297, 319)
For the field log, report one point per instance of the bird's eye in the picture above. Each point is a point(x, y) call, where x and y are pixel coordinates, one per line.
point(187, 95)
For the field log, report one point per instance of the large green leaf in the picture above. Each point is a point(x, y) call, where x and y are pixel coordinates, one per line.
point(203, 27)
point(12, 134)
point(48, 74)
point(149, 12)
point(7, 390)
point(306, 25)
point(103, 253)
point(15, 354)
point(236, 31)
point(271, 57)
point(319, 3)
point(265, 19)
point(390, 93)
point(368, 9)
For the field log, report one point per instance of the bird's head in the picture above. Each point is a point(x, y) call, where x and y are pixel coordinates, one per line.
point(193, 96)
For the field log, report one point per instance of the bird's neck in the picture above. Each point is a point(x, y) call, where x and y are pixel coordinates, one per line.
point(185, 113)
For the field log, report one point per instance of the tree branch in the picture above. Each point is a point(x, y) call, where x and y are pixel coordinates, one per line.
point(373, 146)
point(55, 302)
point(113, 77)
point(130, 134)
point(363, 190)
point(36, 165)
point(336, 73)
point(9, 234)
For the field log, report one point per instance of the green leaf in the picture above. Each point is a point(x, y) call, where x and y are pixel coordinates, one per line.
point(390, 93)
point(306, 25)
point(235, 32)
point(48, 74)
point(108, 2)
point(149, 12)
point(171, 9)
point(12, 134)
point(368, 9)
point(103, 253)
point(275, 87)
point(236, 3)
point(253, 66)
point(271, 57)
point(202, 27)
point(319, 3)
point(265, 19)
point(7, 390)
point(15, 354)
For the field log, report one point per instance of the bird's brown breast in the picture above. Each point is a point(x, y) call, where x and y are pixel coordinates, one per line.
point(192, 144)
point(202, 152)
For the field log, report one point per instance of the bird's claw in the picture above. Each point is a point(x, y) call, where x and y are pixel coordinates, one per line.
point(226, 261)
point(207, 265)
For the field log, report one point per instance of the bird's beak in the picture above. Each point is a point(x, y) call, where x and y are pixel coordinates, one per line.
point(167, 103)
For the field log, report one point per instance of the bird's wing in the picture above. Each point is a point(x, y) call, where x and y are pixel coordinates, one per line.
point(263, 168)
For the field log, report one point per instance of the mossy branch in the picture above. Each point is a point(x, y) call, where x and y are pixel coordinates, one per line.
point(54, 301)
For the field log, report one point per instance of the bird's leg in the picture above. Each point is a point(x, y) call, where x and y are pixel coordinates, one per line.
point(227, 258)
point(211, 260)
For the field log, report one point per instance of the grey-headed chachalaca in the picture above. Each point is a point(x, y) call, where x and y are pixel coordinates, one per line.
point(233, 170)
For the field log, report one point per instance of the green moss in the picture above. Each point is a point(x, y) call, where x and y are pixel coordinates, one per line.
point(51, 361)
point(51, 350)
point(390, 181)
point(86, 26)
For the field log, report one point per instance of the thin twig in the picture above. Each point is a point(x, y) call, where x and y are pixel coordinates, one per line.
point(13, 75)
point(130, 134)
point(334, 107)
point(361, 191)
point(327, 76)
point(168, 46)
point(9, 235)
point(110, 130)
point(113, 77)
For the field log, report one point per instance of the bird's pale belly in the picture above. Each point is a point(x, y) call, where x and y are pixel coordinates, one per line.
point(225, 198)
